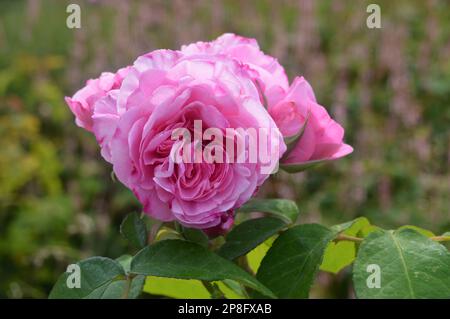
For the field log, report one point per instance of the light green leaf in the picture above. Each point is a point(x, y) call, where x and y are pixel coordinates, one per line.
point(176, 288)
point(125, 262)
point(184, 288)
point(134, 229)
point(249, 234)
point(255, 257)
point(290, 265)
point(367, 230)
point(285, 209)
point(410, 266)
point(418, 229)
point(187, 260)
point(95, 274)
point(340, 254)
point(165, 233)
point(357, 223)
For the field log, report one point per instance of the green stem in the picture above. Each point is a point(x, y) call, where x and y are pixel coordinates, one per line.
point(129, 279)
point(178, 228)
point(126, 292)
point(440, 238)
point(213, 290)
point(243, 263)
point(342, 237)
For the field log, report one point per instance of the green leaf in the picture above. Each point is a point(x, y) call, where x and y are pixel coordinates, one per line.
point(357, 223)
point(249, 234)
point(186, 260)
point(176, 288)
point(165, 233)
point(115, 289)
point(134, 229)
point(95, 274)
point(340, 254)
point(255, 257)
point(185, 289)
point(232, 289)
point(367, 230)
point(290, 265)
point(410, 266)
point(195, 236)
point(125, 262)
point(285, 209)
point(418, 229)
point(300, 167)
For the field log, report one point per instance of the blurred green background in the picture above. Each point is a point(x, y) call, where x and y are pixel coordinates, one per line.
point(389, 87)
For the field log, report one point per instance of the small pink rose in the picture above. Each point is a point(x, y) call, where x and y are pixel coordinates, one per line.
point(322, 137)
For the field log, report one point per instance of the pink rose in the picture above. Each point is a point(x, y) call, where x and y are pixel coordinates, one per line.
point(224, 84)
point(226, 222)
point(82, 103)
point(167, 90)
point(264, 69)
point(322, 137)
point(289, 106)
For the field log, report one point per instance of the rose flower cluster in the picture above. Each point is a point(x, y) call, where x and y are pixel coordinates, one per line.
point(228, 83)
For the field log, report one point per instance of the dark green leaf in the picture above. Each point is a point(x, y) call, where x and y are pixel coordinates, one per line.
point(186, 260)
point(134, 229)
point(195, 236)
point(281, 208)
point(116, 289)
point(290, 265)
point(95, 274)
point(249, 234)
point(410, 266)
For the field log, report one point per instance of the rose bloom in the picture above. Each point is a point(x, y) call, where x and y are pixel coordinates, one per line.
point(82, 103)
point(294, 108)
point(165, 90)
point(225, 84)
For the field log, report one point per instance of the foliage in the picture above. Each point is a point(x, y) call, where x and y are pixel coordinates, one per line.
point(409, 264)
